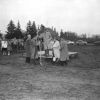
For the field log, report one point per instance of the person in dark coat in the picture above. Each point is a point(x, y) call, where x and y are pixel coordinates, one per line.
point(28, 49)
point(9, 49)
point(64, 57)
point(33, 49)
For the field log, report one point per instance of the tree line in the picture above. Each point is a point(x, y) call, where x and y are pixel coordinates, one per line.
point(74, 36)
point(15, 31)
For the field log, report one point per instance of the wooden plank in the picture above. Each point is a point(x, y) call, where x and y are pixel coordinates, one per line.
point(71, 54)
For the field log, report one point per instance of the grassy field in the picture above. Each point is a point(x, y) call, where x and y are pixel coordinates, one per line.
point(79, 80)
point(89, 56)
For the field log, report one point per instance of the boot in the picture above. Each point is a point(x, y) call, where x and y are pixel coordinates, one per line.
point(62, 63)
point(27, 59)
point(33, 61)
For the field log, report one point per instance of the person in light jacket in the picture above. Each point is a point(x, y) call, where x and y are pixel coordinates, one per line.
point(64, 57)
point(4, 45)
point(56, 50)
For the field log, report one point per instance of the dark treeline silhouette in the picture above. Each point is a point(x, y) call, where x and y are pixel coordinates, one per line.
point(31, 29)
point(68, 35)
point(74, 36)
point(94, 38)
point(15, 31)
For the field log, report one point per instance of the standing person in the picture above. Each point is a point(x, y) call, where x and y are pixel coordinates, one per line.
point(15, 43)
point(64, 57)
point(50, 44)
point(9, 47)
point(4, 45)
point(56, 50)
point(33, 49)
point(28, 49)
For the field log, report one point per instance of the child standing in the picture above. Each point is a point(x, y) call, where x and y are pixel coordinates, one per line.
point(4, 45)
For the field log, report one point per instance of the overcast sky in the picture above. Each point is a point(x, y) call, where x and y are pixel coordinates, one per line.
point(81, 16)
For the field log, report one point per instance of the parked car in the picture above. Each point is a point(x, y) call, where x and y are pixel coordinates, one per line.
point(97, 43)
point(81, 42)
point(70, 42)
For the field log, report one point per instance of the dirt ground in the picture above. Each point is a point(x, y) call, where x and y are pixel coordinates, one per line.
point(79, 80)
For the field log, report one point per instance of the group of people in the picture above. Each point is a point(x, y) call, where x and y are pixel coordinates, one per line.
point(10, 46)
point(59, 49)
point(31, 49)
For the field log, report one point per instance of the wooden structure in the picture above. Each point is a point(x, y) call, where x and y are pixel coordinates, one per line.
point(42, 53)
point(71, 54)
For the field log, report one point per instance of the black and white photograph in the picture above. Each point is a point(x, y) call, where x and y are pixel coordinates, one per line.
point(49, 49)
